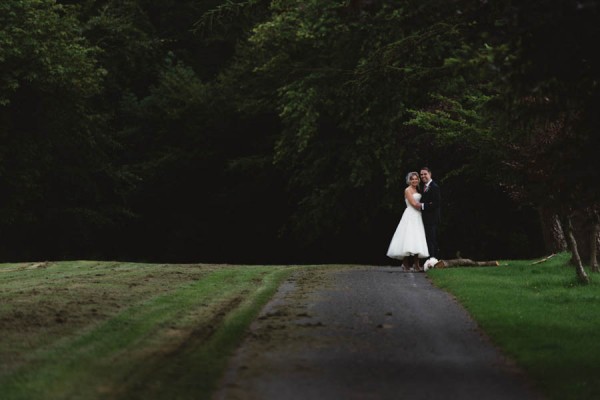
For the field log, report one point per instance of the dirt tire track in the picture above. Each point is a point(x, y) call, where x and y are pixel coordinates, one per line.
point(157, 363)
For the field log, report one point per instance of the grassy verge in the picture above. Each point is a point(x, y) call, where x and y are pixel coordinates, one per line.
point(540, 317)
point(92, 330)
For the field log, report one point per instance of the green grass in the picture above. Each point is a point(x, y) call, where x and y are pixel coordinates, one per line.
point(96, 330)
point(539, 316)
point(91, 330)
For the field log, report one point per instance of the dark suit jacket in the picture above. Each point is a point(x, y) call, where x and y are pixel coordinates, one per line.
point(431, 198)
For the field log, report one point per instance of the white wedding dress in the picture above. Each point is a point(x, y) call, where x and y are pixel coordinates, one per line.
point(409, 238)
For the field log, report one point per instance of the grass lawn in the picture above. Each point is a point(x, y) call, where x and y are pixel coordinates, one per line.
point(99, 330)
point(92, 330)
point(540, 316)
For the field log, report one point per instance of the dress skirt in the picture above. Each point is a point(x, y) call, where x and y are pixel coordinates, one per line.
point(409, 238)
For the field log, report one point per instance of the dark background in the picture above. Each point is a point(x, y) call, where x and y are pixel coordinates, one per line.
point(186, 131)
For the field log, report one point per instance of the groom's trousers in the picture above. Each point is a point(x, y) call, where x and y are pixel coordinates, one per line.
point(431, 238)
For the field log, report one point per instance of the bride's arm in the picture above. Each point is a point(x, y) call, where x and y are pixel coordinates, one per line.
point(411, 200)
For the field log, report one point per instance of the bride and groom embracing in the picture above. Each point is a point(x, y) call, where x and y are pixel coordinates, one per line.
point(416, 234)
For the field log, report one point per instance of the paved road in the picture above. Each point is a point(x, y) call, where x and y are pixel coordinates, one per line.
point(368, 333)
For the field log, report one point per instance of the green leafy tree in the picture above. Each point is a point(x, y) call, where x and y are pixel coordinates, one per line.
point(347, 82)
point(540, 87)
point(195, 168)
point(55, 173)
point(554, 77)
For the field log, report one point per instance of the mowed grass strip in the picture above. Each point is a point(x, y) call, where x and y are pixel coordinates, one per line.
point(539, 316)
point(171, 339)
point(194, 370)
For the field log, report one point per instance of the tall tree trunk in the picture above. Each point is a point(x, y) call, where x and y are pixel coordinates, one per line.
point(594, 240)
point(552, 230)
point(582, 221)
point(581, 275)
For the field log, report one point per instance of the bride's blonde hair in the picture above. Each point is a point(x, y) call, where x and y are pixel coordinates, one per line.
point(410, 174)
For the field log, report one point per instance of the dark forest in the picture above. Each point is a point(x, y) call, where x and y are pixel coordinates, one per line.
point(282, 131)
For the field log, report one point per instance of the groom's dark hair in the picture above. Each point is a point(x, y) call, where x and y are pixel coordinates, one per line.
point(426, 169)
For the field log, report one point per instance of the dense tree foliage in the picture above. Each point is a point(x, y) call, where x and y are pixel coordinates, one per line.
point(58, 187)
point(282, 130)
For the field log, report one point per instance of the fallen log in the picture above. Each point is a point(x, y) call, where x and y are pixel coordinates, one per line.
point(465, 262)
point(543, 259)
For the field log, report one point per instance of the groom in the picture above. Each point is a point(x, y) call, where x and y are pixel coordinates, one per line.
point(430, 204)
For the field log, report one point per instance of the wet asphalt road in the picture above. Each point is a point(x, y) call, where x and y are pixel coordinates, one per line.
point(368, 333)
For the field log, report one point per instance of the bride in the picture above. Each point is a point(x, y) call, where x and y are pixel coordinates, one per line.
point(409, 243)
